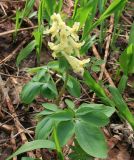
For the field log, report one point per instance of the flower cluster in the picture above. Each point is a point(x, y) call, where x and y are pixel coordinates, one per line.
point(66, 42)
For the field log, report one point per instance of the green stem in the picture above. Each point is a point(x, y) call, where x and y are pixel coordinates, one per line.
point(58, 148)
point(57, 102)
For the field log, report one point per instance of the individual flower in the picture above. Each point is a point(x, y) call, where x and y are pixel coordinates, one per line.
point(74, 30)
point(76, 64)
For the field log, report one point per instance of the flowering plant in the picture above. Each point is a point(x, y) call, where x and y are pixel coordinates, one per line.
point(66, 43)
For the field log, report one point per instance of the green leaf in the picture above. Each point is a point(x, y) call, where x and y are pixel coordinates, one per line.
point(91, 139)
point(73, 86)
point(85, 107)
point(63, 64)
point(122, 83)
point(92, 8)
point(38, 41)
point(59, 6)
point(95, 68)
point(36, 69)
point(70, 103)
point(44, 113)
point(83, 3)
point(50, 106)
point(116, 30)
point(17, 22)
point(50, 6)
point(30, 91)
point(99, 62)
point(25, 52)
point(93, 85)
point(65, 131)
point(44, 128)
point(121, 105)
point(39, 76)
point(37, 144)
point(89, 41)
point(28, 7)
point(54, 65)
point(101, 5)
point(40, 12)
point(95, 117)
point(20, 15)
point(49, 89)
point(78, 153)
point(64, 115)
point(75, 8)
point(86, 10)
point(46, 92)
point(127, 60)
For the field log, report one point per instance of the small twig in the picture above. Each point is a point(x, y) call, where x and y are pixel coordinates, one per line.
point(97, 55)
point(13, 53)
point(107, 47)
point(2, 7)
point(12, 31)
point(6, 127)
point(8, 75)
point(13, 144)
point(127, 21)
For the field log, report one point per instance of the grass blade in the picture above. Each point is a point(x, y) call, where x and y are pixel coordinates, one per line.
point(75, 8)
point(37, 144)
point(91, 14)
point(50, 6)
point(122, 83)
point(25, 52)
point(83, 12)
point(114, 6)
point(121, 105)
point(59, 6)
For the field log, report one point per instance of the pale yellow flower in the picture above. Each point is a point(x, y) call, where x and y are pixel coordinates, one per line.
point(76, 64)
point(54, 47)
point(66, 36)
point(66, 42)
point(74, 31)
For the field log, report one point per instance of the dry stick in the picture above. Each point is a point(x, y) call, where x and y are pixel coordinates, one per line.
point(13, 144)
point(2, 7)
point(97, 55)
point(6, 127)
point(16, 119)
point(9, 75)
point(1, 114)
point(106, 52)
point(107, 47)
point(127, 20)
point(12, 31)
point(14, 52)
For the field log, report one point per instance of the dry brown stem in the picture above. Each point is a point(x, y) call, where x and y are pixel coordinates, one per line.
point(14, 52)
point(17, 123)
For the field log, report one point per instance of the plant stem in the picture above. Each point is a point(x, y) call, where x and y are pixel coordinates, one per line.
point(58, 148)
point(57, 101)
